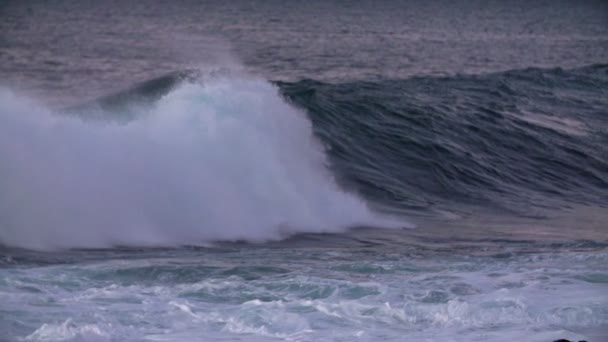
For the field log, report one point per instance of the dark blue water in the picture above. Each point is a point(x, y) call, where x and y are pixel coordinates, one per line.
point(519, 141)
point(278, 170)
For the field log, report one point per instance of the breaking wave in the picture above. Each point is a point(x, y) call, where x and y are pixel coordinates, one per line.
point(223, 159)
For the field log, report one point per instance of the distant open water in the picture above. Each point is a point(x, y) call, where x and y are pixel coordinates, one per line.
point(431, 171)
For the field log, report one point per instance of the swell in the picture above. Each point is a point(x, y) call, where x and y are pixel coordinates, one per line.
point(223, 157)
point(524, 142)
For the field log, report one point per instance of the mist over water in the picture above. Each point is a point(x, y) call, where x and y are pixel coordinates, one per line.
point(226, 159)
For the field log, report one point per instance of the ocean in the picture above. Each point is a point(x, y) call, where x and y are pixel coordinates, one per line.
point(303, 171)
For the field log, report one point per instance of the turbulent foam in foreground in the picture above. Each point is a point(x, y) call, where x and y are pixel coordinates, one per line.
point(307, 294)
point(223, 160)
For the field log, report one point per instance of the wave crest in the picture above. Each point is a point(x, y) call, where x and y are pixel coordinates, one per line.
point(226, 159)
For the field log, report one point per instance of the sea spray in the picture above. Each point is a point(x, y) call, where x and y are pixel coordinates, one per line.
point(224, 159)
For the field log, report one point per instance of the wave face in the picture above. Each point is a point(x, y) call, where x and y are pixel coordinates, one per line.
point(189, 158)
point(520, 142)
point(224, 159)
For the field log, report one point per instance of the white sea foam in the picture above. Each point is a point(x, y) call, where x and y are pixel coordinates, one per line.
point(227, 159)
point(68, 331)
point(166, 299)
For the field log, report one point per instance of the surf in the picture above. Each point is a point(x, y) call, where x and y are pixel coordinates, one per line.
point(215, 160)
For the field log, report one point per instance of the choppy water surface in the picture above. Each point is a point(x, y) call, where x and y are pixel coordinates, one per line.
point(492, 291)
point(327, 171)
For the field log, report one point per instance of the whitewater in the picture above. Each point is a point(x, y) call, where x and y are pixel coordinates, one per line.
point(224, 159)
point(210, 213)
point(303, 171)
